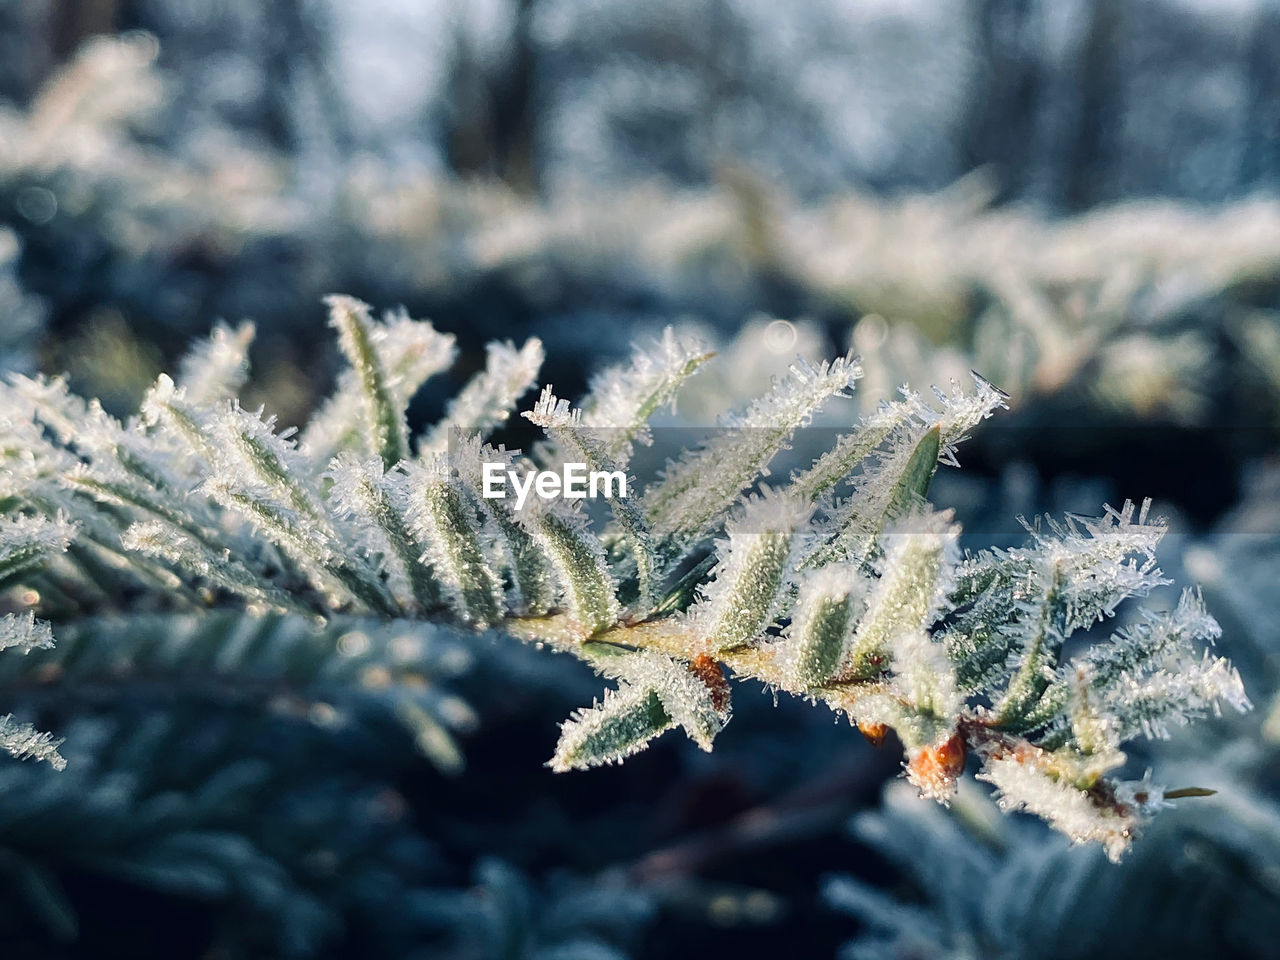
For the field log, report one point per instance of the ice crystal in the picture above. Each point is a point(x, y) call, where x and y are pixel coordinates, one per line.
point(24, 634)
point(28, 543)
point(25, 742)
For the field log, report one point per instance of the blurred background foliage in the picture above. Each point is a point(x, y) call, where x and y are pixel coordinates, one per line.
point(1077, 198)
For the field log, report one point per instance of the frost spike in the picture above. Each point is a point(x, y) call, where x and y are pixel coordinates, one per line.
point(244, 451)
point(624, 397)
point(565, 427)
point(442, 517)
point(691, 694)
point(874, 503)
point(218, 365)
point(383, 417)
point(1024, 781)
point(165, 403)
point(530, 567)
point(756, 565)
point(590, 591)
point(155, 539)
point(913, 582)
point(612, 730)
point(1151, 641)
point(256, 473)
point(1100, 561)
point(820, 626)
point(849, 450)
point(1146, 704)
point(487, 400)
point(1034, 672)
point(890, 489)
point(361, 489)
point(409, 353)
point(24, 633)
point(257, 459)
point(123, 495)
point(24, 742)
point(28, 543)
point(310, 552)
point(956, 413)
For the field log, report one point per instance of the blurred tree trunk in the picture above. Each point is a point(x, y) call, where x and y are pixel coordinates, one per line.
point(999, 130)
point(1090, 149)
point(37, 36)
point(513, 106)
point(1045, 127)
point(298, 55)
point(490, 124)
point(1261, 154)
point(74, 21)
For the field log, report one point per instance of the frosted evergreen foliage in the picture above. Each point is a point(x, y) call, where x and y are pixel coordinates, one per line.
point(976, 885)
point(699, 487)
point(623, 398)
point(440, 511)
point(577, 443)
point(532, 587)
point(27, 544)
point(389, 362)
point(217, 367)
point(837, 582)
point(756, 564)
point(588, 588)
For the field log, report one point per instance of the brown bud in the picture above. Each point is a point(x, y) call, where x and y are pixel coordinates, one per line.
point(935, 769)
point(874, 732)
point(707, 669)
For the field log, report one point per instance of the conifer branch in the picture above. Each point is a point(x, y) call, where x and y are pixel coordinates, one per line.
point(841, 585)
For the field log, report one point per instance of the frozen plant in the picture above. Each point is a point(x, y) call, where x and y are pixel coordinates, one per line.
point(975, 885)
point(839, 583)
point(27, 543)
